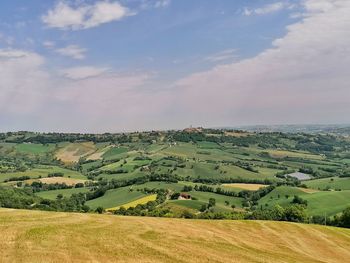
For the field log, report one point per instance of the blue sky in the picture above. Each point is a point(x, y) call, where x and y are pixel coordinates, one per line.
point(99, 65)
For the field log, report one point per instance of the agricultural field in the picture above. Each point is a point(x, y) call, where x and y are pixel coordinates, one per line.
point(250, 187)
point(72, 152)
point(42, 171)
point(226, 174)
point(332, 183)
point(106, 238)
point(140, 201)
point(34, 148)
point(116, 197)
point(319, 202)
point(52, 194)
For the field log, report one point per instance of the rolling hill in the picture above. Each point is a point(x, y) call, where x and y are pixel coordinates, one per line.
point(33, 236)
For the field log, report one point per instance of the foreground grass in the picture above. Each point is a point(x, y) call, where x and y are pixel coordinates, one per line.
point(33, 236)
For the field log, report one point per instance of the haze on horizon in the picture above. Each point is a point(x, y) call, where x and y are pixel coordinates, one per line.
point(109, 66)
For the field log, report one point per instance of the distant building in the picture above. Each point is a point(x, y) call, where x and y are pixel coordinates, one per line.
point(185, 196)
point(192, 129)
point(300, 176)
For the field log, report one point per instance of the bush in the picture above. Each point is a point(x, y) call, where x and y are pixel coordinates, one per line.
point(99, 210)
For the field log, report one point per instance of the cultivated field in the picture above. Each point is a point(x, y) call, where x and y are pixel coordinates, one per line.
point(33, 236)
point(141, 201)
point(251, 187)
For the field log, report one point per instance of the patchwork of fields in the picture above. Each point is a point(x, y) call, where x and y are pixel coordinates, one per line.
point(230, 168)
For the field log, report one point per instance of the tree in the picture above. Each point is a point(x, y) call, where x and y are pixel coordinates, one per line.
point(278, 213)
point(212, 202)
point(99, 210)
point(85, 208)
point(187, 214)
point(175, 196)
point(345, 218)
point(295, 213)
point(203, 208)
point(299, 200)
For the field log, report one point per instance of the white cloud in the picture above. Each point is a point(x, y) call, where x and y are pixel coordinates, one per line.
point(268, 9)
point(23, 83)
point(6, 39)
point(303, 78)
point(49, 44)
point(78, 73)
point(72, 99)
point(64, 16)
point(221, 56)
point(162, 3)
point(73, 51)
point(149, 4)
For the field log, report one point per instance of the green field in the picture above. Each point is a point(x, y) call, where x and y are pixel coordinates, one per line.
point(329, 183)
point(114, 152)
point(117, 197)
point(34, 148)
point(220, 200)
point(192, 204)
point(43, 171)
point(236, 162)
point(52, 195)
point(319, 203)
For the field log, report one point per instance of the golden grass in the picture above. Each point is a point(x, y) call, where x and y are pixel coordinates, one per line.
point(140, 201)
point(98, 154)
point(72, 152)
point(250, 187)
point(33, 236)
point(308, 190)
point(59, 180)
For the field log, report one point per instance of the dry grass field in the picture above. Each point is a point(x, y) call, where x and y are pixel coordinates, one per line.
point(72, 152)
point(250, 187)
point(33, 236)
point(61, 180)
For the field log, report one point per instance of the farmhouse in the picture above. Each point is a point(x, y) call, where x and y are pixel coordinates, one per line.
point(185, 196)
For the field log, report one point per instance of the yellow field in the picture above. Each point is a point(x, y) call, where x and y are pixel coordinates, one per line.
point(72, 152)
point(61, 180)
point(98, 154)
point(283, 153)
point(33, 236)
point(250, 187)
point(141, 201)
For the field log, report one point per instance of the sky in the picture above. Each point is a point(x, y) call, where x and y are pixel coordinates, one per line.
point(132, 65)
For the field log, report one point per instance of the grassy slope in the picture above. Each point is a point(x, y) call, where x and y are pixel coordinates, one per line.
point(115, 197)
point(43, 171)
point(33, 236)
point(34, 148)
point(337, 183)
point(319, 203)
point(65, 192)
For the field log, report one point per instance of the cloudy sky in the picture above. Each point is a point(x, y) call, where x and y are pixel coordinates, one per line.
point(106, 65)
